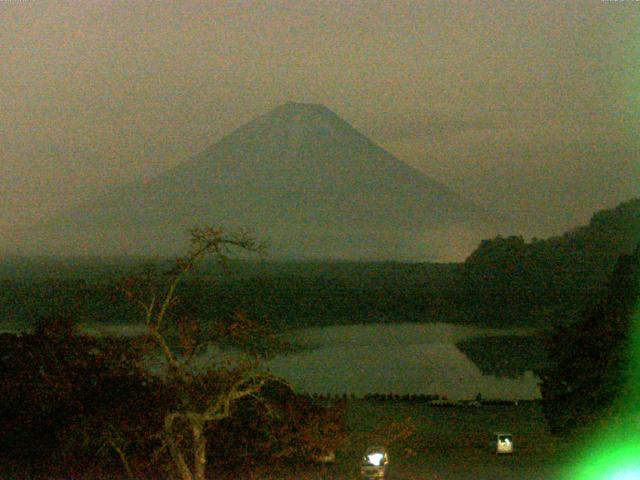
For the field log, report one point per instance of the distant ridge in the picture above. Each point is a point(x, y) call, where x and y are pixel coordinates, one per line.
point(299, 176)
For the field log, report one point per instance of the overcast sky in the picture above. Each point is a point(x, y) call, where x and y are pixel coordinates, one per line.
point(527, 107)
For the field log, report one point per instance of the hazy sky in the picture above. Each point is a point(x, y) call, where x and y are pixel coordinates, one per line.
point(530, 107)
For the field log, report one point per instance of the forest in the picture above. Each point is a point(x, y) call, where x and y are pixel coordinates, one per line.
point(505, 282)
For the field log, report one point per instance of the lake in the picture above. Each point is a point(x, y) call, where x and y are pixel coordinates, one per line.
point(405, 358)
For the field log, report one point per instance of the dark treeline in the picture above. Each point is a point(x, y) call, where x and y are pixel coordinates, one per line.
point(592, 372)
point(506, 281)
point(549, 281)
point(327, 399)
point(288, 294)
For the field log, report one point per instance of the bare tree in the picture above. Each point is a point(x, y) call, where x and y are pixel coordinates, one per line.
point(201, 398)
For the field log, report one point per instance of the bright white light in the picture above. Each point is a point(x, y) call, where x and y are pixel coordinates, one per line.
point(375, 458)
point(626, 474)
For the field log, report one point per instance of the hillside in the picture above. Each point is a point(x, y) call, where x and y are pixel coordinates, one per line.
point(549, 275)
point(590, 249)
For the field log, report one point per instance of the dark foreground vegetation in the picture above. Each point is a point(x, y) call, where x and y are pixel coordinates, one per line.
point(81, 407)
point(74, 406)
point(592, 373)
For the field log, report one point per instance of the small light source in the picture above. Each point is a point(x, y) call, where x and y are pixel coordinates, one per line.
point(375, 463)
point(503, 443)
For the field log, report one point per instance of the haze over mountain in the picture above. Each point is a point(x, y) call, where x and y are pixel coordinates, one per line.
point(300, 177)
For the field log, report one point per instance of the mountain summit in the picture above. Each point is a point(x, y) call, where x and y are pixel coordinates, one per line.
point(299, 176)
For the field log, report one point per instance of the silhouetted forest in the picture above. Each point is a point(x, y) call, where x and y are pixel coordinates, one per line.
point(548, 281)
point(506, 281)
point(589, 360)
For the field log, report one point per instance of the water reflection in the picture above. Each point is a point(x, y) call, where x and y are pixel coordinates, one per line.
point(400, 359)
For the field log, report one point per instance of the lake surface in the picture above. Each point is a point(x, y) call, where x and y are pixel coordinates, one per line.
point(404, 358)
point(395, 358)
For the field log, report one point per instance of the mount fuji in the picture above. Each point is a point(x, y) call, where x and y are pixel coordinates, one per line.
point(299, 177)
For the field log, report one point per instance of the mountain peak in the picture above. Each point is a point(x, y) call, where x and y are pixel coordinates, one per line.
point(291, 124)
point(294, 110)
point(302, 107)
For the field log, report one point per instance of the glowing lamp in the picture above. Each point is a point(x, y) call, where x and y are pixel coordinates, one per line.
point(375, 463)
point(375, 458)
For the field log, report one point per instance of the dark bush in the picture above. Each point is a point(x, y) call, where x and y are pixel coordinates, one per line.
point(75, 403)
point(590, 358)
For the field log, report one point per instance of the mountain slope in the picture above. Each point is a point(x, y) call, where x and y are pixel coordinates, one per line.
point(299, 176)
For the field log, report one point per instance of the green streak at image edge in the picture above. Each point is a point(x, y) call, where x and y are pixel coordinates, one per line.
point(614, 453)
